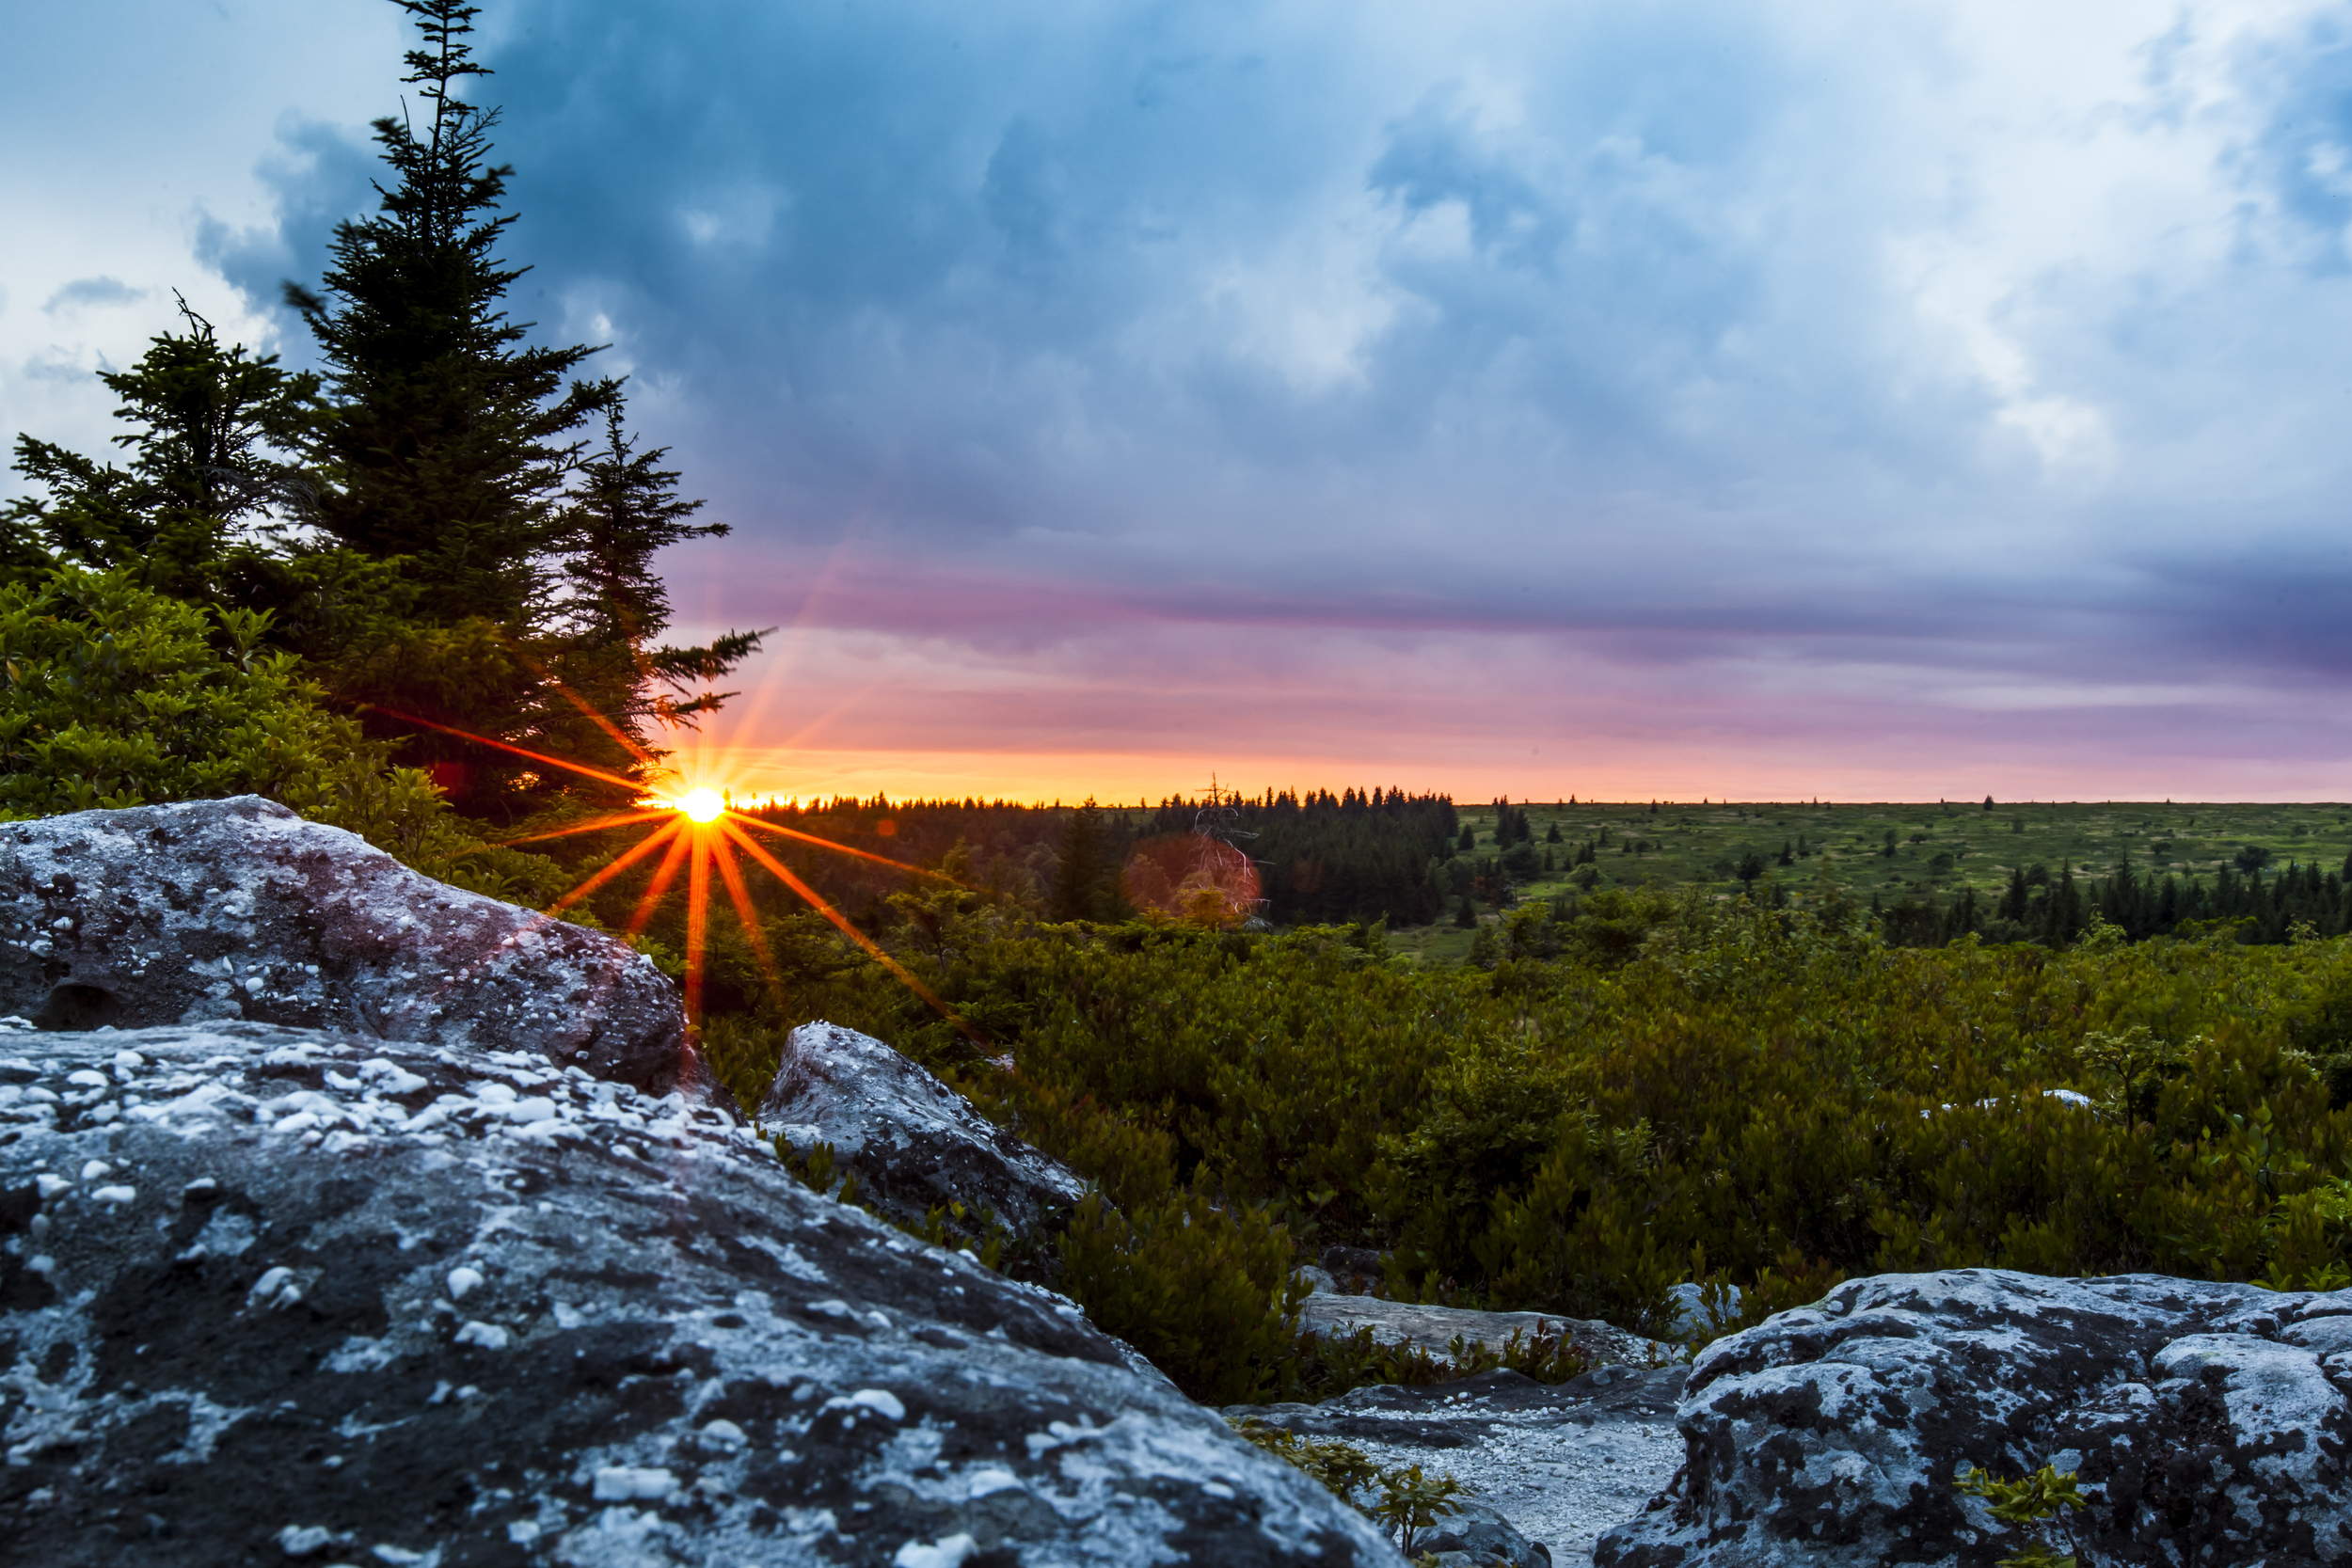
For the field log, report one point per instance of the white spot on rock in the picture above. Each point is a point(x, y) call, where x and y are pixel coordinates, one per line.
point(275, 1289)
point(115, 1194)
point(950, 1551)
point(621, 1484)
point(51, 1185)
point(881, 1402)
point(462, 1279)
point(302, 1540)
point(488, 1336)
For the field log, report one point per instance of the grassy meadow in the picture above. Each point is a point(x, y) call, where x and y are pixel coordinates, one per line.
point(1939, 847)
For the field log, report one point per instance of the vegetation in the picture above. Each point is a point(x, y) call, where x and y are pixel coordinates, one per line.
point(1548, 1057)
point(2028, 1502)
point(1648, 1091)
point(427, 526)
point(1932, 873)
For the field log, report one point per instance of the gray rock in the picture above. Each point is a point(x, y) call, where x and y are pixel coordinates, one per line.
point(914, 1143)
point(2210, 1425)
point(1316, 1280)
point(239, 908)
point(268, 1295)
point(1693, 1318)
point(1434, 1328)
point(1480, 1537)
point(1558, 1463)
point(1355, 1270)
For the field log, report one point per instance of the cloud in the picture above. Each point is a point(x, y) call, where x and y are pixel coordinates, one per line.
point(1693, 347)
point(93, 291)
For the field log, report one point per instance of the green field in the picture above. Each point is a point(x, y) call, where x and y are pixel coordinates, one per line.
point(1845, 846)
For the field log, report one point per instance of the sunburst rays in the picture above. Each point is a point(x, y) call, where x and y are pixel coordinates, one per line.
point(697, 829)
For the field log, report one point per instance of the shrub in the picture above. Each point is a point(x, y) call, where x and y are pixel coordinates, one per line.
point(1204, 1292)
point(118, 696)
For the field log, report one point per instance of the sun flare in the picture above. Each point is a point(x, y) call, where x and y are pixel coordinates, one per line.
point(702, 805)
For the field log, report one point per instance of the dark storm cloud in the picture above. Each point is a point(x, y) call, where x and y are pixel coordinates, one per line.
point(1687, 332)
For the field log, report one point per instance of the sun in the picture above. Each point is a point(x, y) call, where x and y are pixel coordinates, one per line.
point(721, 834)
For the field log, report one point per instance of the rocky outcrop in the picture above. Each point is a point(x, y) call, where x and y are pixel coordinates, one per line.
point(914, 1144)
point(1434, 1328)
point(239, 908)
point(1549, 1466)
point(273, 1296)
point(2209, 1424)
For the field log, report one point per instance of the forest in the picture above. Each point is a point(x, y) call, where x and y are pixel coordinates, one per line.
point(1555, 1056)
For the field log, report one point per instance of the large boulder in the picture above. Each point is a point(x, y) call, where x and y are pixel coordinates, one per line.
point(273, 1296)
point(914, 1145)
point(239, 908)
point(2209, 1424)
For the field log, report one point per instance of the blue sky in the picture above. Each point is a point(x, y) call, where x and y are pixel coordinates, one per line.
point(1753, 400)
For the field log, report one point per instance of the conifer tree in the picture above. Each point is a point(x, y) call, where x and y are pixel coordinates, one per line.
point(210, 458)
point(1083, 872)
point(450, 459)
point(452, 436)
point(624, 507)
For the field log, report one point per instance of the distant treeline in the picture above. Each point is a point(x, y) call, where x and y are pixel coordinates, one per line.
point(1321, 858)
point(2299, 900)
point(1325, 859)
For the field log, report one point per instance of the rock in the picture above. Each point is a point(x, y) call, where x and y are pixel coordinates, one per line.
point(1315, 1279)
point(271, 1295)
point(2209, 1424)
point(1434, 1328)
point(239, 908)
point(1693, 1318)
point(1556, 1464)
point(913, 1143)
point(1355, 1270)
point(1479, 1536)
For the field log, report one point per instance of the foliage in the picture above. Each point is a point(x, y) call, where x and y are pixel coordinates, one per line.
point(1404, 1500)
point(1204, 1292)
point(1341, 1469)
point(1645, 1090)
point(2027, 1502)
point(118, 696)
point(1359, 855)
point(1410, 1502)
point(211, 426)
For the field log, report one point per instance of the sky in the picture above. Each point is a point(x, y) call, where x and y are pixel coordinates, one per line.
point(1668, 399)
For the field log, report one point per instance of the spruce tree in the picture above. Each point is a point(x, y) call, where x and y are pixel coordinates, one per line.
point(1083, 872)
point(624, 507)
point(210, 462)
point(452, 436)
point(450, 459)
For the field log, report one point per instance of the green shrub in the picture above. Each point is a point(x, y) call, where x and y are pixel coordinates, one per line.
point(1646, 1090)
point(1205, 1292)
point(119, 696)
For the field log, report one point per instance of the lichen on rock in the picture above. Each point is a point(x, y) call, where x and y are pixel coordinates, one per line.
point(2207, 1423)
point(238, 909)
point(275, 1295)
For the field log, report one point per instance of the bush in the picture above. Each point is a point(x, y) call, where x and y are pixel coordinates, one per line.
point(118, 696)
point(1204, 1292)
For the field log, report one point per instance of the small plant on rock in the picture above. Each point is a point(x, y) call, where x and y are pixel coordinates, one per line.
point(1407, 1501)
point(1410, 1502)
point(2027, 1502)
